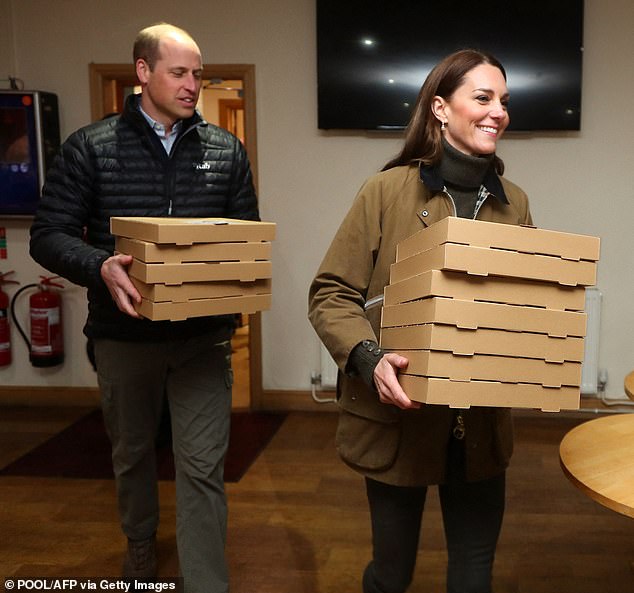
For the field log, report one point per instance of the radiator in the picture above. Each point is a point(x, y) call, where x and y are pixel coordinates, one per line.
point(590, 367)
point(328, 369)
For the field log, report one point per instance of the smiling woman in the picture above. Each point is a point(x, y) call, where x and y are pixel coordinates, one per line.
point(447, 167)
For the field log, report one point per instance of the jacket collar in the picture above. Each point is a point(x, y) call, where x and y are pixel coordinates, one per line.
point(132, 114)
point(430, 176)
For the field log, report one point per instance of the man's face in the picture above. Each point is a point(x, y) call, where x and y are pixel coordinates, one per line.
point(170, 91)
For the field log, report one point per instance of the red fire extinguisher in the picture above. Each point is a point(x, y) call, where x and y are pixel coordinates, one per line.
point(5, 330)
point(46, 346)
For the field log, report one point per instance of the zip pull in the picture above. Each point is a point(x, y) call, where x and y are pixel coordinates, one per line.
point(169, 209)
point(459, 429)
point(483, 194)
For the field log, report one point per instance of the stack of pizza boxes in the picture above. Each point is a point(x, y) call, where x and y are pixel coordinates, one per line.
point(192, 267)
point(490, 314)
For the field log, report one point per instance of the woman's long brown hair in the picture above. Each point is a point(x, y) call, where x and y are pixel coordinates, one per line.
point(422, 135)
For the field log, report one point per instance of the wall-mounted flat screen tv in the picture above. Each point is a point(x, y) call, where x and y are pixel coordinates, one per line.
point(372, 57)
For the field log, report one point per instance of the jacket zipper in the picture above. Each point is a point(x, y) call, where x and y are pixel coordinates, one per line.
point(172, 180)
point(453, 203)
point(455, 209)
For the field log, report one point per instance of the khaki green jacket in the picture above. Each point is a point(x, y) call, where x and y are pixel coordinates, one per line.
point(406, 448)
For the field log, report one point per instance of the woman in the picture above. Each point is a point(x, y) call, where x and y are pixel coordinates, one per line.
point(447, 167)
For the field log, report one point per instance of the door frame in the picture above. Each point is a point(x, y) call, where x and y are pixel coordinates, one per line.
point(104, 79)
point(227, 110)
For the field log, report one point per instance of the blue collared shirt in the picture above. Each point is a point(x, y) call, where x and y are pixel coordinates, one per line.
point(167, 140)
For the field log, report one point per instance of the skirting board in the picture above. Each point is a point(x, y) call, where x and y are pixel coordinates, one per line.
point(273, 400)
point(48, 396)
point(89, 396)
point(297, 401)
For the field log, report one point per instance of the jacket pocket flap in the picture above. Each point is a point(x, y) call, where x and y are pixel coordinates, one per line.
point(367, 444)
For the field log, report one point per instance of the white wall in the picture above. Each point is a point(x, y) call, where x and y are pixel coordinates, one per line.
point(581, 182)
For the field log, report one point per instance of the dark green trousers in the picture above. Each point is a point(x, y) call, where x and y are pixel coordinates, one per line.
point(194, 377)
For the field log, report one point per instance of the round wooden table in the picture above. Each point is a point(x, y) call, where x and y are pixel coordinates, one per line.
point(629, 385)
point(598, 458)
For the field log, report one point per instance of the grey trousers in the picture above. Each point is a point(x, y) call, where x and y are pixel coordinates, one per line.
point(195, 375)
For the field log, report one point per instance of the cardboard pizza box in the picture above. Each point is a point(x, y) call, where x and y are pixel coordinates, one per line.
point(187, 231)
point(511, 291)
point(202, 307)
point(497, 342)
point(464, 394)
point(481, 261)
point(524, 239)
point(199, 272)
point(148, 252)
point(474, 315)
point(483, 367)
point(189, 291)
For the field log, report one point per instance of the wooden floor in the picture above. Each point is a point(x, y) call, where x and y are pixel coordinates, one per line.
point(298, 520)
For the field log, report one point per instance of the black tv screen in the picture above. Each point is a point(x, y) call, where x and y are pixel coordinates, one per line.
point(372, 57)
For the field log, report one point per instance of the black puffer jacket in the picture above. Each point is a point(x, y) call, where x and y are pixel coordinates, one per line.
point(118, 167)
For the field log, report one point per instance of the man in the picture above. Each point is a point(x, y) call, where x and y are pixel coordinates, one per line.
point(159, 158)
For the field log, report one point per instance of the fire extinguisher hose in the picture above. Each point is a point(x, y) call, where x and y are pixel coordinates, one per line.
point(14, 317)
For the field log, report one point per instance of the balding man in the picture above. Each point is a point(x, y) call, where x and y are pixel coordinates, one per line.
point(158, 158)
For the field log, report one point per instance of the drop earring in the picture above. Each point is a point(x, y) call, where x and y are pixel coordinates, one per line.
point(443, 126)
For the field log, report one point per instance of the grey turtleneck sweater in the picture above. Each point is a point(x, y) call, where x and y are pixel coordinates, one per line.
point(463, 175)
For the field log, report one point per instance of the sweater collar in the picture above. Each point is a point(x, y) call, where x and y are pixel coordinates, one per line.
point(431, 176)
point(463, 170)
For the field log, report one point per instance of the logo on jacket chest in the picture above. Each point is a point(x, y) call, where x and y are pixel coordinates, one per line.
point(204, 166)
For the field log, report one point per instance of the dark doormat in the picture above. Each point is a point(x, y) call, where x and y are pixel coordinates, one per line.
point(83, 450)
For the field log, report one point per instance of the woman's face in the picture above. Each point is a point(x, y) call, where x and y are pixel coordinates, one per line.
point(476, 114)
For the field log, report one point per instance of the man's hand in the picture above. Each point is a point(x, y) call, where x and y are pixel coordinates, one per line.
point(390, 391)
point(115, 275)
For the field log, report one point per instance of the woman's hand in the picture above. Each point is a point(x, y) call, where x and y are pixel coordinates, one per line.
point(115, 275)
point(390, 391)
